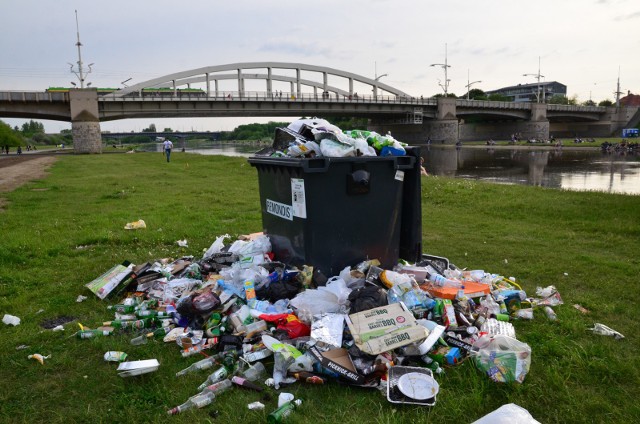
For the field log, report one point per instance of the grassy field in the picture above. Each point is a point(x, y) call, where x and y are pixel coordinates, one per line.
point(61, 232)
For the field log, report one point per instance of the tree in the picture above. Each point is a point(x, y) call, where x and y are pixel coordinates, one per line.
point(476, 94)
point(8, 136)
point(32, 127)
point(589, 103)
point(559, 99)
point(496, 97)
point(606, 102)
point(152, 128)
point(167, 130)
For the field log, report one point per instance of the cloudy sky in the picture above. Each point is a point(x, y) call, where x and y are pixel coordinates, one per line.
point(584, 44)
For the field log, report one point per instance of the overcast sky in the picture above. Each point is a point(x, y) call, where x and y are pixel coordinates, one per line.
point(580, 43)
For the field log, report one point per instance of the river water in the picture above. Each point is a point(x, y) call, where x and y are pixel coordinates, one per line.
point(579, 169)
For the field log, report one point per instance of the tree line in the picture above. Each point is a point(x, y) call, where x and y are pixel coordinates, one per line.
point(31, 133)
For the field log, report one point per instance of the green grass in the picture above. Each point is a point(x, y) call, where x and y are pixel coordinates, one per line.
point(61, 232)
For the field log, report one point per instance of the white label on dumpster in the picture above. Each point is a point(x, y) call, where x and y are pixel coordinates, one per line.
point(280, 209)
point(400, 175)
point(297, 198)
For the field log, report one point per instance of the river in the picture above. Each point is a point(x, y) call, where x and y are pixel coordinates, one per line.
point(569, 168)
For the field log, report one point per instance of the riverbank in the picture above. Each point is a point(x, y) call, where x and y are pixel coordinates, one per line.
point(63, 230)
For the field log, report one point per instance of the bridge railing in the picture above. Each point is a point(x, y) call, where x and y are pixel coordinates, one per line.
point(33, 96)
point(576, 108)
point(275, 96)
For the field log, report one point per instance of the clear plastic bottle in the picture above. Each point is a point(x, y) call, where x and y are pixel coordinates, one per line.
point(441, 281)
point(551, 314)
point(278, 416)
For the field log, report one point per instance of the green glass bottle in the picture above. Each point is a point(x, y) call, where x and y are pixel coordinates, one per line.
point(278, 416)
point(88, 334)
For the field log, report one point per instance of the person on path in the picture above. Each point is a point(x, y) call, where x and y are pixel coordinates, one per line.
point(168, 145)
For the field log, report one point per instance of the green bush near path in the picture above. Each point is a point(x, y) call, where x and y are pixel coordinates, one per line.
point(61, 232)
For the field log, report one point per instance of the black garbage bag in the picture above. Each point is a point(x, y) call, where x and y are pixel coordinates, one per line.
point(283, 289)
point(367, 297)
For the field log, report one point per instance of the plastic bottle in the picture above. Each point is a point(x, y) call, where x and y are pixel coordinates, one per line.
point(441, 281)
point(283, 412)
point(551, 314)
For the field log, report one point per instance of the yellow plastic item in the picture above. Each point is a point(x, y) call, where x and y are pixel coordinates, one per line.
point(135, 225)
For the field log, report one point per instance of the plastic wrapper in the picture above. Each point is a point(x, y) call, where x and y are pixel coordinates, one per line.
point(603, 330)
point(336, 149)
point(174, 289)
point(508, 414)
point(495, 327)
point(328, 328)
point(332, 298)
point(503, 358)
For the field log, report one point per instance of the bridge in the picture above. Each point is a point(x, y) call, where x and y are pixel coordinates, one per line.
point(273, 89)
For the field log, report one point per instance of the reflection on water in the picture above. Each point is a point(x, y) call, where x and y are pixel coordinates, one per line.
point(571, 169)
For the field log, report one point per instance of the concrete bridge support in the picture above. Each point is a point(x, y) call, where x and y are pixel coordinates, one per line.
point(538, 125)
point(85, 125)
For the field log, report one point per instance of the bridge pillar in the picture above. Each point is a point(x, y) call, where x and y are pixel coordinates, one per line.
point(538, 125)
point(85, 125)
point(445, 127)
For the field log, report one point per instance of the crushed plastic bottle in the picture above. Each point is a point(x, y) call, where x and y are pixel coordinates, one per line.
point(603, 330)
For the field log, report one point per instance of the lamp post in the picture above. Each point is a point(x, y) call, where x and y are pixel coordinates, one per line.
point(376, 78)
point(469, 84)
point(80, 74)
point(538, 77)
point(444, 66)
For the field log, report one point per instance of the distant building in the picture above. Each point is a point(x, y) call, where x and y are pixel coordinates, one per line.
point(630, 100)
point(529, 92)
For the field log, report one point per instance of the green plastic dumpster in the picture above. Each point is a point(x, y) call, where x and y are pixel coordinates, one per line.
point(335, 212)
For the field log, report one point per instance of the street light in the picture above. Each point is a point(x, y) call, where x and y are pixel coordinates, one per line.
point(469, 84)
point(538, 76)
point(444, 66)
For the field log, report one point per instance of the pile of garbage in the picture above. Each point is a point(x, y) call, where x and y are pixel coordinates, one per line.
point(252, 321)
point(317, 138)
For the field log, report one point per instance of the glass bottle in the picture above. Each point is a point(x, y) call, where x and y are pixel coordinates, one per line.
point(283, 412)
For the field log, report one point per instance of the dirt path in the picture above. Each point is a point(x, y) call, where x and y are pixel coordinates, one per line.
point(17, 170)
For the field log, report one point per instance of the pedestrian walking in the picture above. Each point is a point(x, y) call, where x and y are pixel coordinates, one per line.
point(167, 145)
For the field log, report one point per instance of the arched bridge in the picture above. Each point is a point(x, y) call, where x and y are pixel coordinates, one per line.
point(270, 89)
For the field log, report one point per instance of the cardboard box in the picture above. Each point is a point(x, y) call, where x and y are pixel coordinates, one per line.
point(339, 361)
point(385, 328)
point(107, 282)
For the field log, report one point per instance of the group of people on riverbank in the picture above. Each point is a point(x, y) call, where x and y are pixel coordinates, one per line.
point(623, 146)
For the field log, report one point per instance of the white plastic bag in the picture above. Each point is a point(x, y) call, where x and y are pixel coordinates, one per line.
point(508, 414)
point(335, 149)
point(216, 246)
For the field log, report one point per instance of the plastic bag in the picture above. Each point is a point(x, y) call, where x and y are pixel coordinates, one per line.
point(508, 414)
point(216, 246)
point(336, 149)
point(332, 298)
point(251, 252)
point(504, 359)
